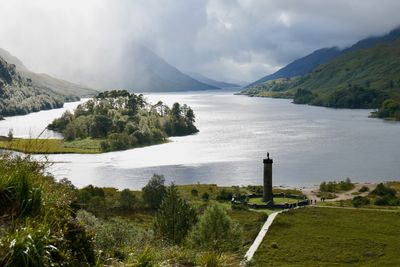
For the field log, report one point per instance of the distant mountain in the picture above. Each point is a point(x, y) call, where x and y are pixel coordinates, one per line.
point(307, 63)
point(23, 91)
point(67, 89)
point(138, 69)
point(302, 65)
point(212, 82)
point(362, 76)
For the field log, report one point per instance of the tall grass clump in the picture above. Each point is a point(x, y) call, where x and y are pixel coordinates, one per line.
point(37, 219)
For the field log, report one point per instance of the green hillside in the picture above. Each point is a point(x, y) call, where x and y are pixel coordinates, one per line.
point(61, 87)
point(19, 95)
point(23, 91)
point(361, 78)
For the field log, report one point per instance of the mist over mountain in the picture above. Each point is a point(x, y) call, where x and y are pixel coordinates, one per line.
point(138, 69)
point(212, 82)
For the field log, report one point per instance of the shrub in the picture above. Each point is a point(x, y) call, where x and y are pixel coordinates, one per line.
point(216, 231)
point(382, 201)
point(333, 186)
point(363, 189)
point(359, 201)
point(114, 237)
point(92, 198)
point(147, 258)
point(127, 200)
point(205, 196)
point(382, 190)
point(211, 259)
point(194, 192)
point(387, 201)
point(118, 141)
point(239, 206)
point(224, 194)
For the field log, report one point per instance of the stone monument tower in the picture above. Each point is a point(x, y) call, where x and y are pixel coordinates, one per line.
point(267, 195)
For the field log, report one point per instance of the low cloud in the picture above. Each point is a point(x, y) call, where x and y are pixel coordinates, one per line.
point(226, 40)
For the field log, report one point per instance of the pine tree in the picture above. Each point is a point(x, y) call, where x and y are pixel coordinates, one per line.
point(174, 218)
point(154, 191)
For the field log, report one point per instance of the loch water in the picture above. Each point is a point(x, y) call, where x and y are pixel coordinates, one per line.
point(308, 145)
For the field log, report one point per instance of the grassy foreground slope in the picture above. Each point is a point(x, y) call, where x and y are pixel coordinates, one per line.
point(331, 237)
point(48, 223)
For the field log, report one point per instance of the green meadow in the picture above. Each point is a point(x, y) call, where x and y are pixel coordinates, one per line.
point(317, 236)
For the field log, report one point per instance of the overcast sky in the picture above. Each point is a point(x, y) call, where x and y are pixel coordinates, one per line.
point(226, 40)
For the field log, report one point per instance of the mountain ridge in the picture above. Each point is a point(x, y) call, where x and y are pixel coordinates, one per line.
point(365, 76)
point(307, 63)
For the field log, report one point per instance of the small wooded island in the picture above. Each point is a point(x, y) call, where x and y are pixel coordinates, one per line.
point(111, 121)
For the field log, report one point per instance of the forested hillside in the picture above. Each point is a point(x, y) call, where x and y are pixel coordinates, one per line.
point(23, 91)
point(359, 78)
point(18, 95)
point(67, 89)
point(303, 65)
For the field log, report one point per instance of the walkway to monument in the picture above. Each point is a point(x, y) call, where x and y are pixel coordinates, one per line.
point(257, 242)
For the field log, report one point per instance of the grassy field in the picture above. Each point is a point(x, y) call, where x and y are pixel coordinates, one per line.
point(332, 237)
point(56, 146)
point(250, 220)
point(52, 146)
point(277, 200)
